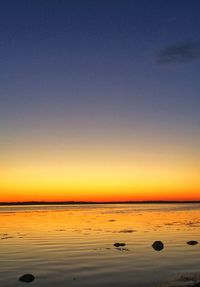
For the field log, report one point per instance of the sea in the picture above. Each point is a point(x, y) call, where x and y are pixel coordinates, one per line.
point(73, 245)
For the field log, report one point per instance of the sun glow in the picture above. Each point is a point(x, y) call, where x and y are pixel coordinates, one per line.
point(101, 180)
point(94, 168)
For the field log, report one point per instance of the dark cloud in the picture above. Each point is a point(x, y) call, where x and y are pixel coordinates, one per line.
point(179, 53)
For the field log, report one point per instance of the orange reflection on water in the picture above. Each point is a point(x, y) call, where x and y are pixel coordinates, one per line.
point(59, 243)
point(103, 219)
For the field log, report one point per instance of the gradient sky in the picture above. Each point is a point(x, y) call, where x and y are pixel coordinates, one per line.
point(99, 100)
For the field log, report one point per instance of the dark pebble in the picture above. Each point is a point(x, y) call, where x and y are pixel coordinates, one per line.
point(158, 245)
point(119, 244)
point(192, 242)
point(27, 278)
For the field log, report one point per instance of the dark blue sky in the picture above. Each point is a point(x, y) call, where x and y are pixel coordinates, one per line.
point(99, 67)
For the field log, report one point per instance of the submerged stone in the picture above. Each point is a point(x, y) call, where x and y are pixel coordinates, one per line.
point(118, 244)
point(192, 242)
point(127, 231)
point(185, 280)
point(27, 278)
point(158, 245)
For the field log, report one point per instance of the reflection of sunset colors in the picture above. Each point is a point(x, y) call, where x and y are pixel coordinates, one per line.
point(60, 242)
point(99, 101)
point(108, 219)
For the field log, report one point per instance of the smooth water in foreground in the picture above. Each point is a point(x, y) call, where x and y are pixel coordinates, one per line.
point(72, 245)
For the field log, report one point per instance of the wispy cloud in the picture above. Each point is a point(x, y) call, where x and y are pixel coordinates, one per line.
point(179, 53)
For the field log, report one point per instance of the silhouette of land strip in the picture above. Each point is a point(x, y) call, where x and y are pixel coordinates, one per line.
point(96, 202)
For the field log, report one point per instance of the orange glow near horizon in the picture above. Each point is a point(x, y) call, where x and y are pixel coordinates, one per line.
point(102, 181)
point(122, 170)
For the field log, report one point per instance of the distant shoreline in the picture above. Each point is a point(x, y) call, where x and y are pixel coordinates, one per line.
point(95, 202)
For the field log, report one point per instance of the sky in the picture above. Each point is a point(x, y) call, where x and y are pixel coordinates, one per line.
point(99, 100)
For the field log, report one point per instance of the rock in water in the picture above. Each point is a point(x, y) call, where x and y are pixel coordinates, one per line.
point(192, 242)
point(185, 280)
point(158, 245)
point(27, 278)
point(119, 244)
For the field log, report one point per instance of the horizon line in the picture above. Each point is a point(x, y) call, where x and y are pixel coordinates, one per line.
point(71, 202)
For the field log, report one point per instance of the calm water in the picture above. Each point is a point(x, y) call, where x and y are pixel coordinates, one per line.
point(73, 245)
